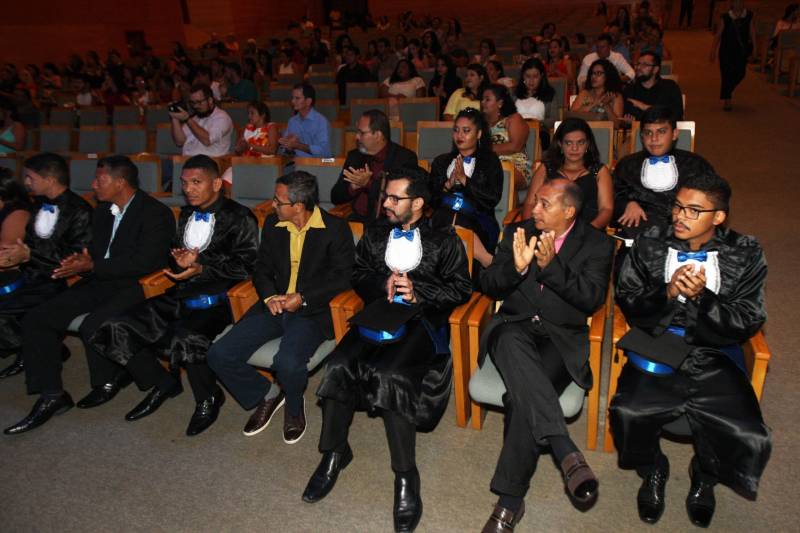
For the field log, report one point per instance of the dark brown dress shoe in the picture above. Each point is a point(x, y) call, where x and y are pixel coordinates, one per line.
point(407, 501)
point(263, 414)
point(205, 413)
point(42, 411)
point(294, 426)
point(324, 477)
point(579, 479)
point(502, 520)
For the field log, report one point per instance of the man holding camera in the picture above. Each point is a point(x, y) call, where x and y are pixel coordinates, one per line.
point(207, 130)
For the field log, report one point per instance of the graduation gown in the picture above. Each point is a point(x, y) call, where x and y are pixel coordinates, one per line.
point(731, 439)
point(227, 257)
point(51, 236)
point(411, 377)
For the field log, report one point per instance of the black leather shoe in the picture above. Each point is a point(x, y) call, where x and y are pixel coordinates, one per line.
point(205, 413)
point(700, 502)
point(650, 499)
point(502, 520)
point(407, 501)
point(152, 402)
point(324, 477)
point(42, 411)
point(105, 393)
point(13, 369)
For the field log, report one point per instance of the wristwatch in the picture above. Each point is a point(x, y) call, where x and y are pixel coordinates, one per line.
point(303, 302)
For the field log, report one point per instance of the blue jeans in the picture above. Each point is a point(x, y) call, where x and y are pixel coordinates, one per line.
point(300, 337)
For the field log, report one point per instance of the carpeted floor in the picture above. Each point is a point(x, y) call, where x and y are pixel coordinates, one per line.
point(92, 471)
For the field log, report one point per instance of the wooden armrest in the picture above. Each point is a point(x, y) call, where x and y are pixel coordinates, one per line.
point(339, 314)
point(90, 197)
point(598, 325)
point(459, 314)
point(620, 326)
point(242, 297)
point(515, 215)
point(160, 194)
point(341, 210)
point(479, 310)
point(757, 356)
point(155, 284)
point(266, 208)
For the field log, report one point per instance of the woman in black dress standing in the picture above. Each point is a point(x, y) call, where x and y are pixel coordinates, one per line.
point(733, 43)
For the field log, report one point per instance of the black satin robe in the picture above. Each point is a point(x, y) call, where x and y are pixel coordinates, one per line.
point(164, 322)
point(72, 233)
point(656, 205)
point(731, 439)
point(410, 377)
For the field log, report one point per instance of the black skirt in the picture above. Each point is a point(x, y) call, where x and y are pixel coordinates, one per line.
point(162, 323)
point(406, 377)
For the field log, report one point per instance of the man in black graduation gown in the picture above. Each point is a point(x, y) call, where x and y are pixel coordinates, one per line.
point(131, 232)
point(645, 182)
point(692, 294)
point(361, 181)
point(304, 260)
point(407, 380)
point(60, 227)
point(214, 248)
point(552, 272)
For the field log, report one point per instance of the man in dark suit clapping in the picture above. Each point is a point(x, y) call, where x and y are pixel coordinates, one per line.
point(552, 272)
point(131, 235)
point(304, 260)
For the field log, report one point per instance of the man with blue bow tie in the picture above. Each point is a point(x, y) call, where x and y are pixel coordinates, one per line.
point(692, 294)
point(645, 182)
point(60, 227)
point(130, 239)
point(401, 373)
point(213, 249)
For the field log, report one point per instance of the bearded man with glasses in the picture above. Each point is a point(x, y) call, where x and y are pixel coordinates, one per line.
point(692, 294)
point(206, 130)
point(649, 89)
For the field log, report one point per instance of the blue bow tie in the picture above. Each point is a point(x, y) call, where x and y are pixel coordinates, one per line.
point(201, 216)
point(468, 160)
point(399, 234)
point(697, 256)
point(654, 160)
point(49, 207)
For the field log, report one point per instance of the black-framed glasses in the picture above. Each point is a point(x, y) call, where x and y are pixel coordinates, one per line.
point(277, 202)
point(197, 102)
point(640, 64)
point(394, 199)
point(692, 213)
point(598, 73)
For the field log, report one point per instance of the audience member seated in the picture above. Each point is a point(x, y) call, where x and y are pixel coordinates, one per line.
point(645, 182)
point(416, 55)
point(207, 131)
point(618, 40)
point(603, 51)
point(547, 33)
point(601, 95)
point(643, 19)
point(85, 96)
point(406, 381)
point(788, 22)
point(684, 351)
point(559, 65)
point(58, 225)
point(551, 272)
point(12, 131)
point(649, 89)
point(308, 131)
point(131, 232)
point(536, 99)
point(509, 129)
point(488, 52)
point(295, 283)
point(259, 138)
point(460, 58)
point(445, 81)
point(239, 89)
point(623, 20)
point(213, 249)
point(386, 59)
point(527, 50)
point(362, 180)
point(496, 74)
point(573, 155)
point(467, 184)
point(431, 47)
point(285, 65)
point(404, 82)
point(351, 71)
point(475, 82)
point(653, 42)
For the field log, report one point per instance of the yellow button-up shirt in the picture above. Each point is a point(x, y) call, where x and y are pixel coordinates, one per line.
point(297, 238)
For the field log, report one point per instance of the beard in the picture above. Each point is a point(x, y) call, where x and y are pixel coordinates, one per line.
point(198, 114)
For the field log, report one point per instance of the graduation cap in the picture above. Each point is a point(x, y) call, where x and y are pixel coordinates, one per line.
point(383, 321)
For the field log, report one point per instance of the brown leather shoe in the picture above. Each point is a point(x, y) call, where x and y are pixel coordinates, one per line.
point(578, 477)
point(261, 417)
point(294, 426)
point(503, 520)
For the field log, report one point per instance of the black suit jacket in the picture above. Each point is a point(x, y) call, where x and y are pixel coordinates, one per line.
point(574, 286)
point(326, 265)
point(396, 157)
point(141, 245)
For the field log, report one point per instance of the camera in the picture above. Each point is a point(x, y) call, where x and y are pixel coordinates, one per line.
point(176, 107)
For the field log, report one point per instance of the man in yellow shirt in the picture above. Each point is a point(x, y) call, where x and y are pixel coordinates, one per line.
point(304, 260)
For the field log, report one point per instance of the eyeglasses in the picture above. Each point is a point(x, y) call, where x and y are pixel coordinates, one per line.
point(394, 200)
point(598, 73)
point(640, 64)
point(692, 213)
point(279, 203)
point(197, 102)
point(363, 132)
